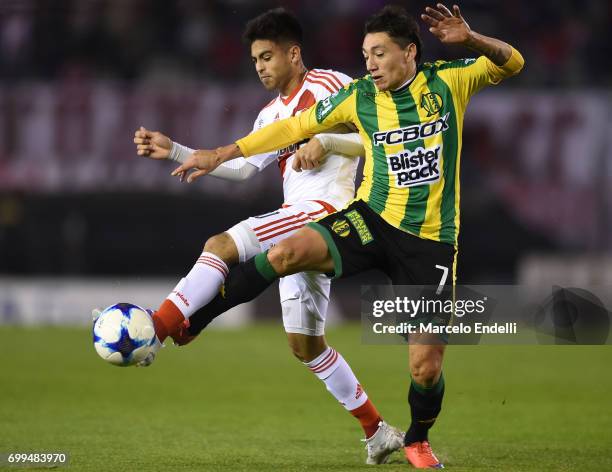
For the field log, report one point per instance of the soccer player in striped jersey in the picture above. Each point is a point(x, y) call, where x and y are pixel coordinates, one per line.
point(275, 38)
point(405, 219)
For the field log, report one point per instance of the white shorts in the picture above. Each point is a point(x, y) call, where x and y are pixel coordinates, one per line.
point(304, 296)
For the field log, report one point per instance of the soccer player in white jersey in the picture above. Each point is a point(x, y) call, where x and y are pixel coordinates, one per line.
point(275, 38)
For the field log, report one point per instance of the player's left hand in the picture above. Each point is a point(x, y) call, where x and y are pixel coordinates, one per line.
point(310, 156)
point(449, 27)
point(201, 162)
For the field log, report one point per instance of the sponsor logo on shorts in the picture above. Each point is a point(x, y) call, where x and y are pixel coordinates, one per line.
point(417, 167)
point(362, 229)
point(431, 102)
point(341, 228)
point(411, 133)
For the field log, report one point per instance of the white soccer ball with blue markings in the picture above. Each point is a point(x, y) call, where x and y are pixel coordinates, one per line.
point(124, 335)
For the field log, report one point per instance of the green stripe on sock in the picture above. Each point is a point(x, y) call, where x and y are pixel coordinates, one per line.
point(433, 390)
point(263, 266)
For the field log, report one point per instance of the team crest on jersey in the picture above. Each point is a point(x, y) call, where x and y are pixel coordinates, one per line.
point(431, 102)
point(341, 228)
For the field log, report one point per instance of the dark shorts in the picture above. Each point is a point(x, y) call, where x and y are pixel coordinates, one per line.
point(359, 239)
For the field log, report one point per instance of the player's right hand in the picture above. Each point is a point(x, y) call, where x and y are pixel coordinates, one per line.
point(201, 162)
point(309, 156)
point(152, 144)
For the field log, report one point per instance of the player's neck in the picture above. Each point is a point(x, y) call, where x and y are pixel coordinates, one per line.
point(293, 83)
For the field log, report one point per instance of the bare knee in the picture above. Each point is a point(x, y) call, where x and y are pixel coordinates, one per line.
point(287, 257)
point(223, 246)
point(306, 348)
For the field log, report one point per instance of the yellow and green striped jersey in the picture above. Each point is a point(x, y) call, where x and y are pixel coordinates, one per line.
point(412, 138)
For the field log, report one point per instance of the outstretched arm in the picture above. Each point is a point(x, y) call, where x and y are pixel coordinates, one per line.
point(324, 115)
point(451, 28)
point(236, 170)
point(155, 145)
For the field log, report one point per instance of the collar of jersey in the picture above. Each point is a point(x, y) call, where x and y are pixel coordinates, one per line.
point(287, 100)
point(407, 85)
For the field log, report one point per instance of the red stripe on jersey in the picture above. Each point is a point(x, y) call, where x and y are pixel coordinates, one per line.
point(282, 164)
point(292, 95)
point(328, 364)
point(323, 84)
point(333, 75)
point(278, 221)
point(329, 77)
point(324, 78)
point(307, 99)
point(330, 208)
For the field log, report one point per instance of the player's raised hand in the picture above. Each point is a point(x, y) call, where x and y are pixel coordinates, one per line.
point(152, 144)
point(449, 27)
point(201, 162)
point(310, 156)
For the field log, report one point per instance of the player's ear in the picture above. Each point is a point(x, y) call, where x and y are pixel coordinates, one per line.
point(410, 52)
point(295, 53)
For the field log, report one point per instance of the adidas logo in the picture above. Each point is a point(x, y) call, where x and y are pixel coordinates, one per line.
point(359, 391)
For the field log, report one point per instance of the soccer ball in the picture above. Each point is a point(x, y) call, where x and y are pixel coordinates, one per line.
point(124, 335)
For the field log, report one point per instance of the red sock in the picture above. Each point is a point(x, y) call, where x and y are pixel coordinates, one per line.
point(368, 416)
point(167, 319)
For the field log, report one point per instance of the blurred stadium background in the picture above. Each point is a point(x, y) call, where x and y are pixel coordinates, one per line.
point(84, 222)
point(80, 212)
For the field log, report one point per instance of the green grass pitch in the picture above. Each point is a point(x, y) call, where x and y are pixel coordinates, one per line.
point(238, 401)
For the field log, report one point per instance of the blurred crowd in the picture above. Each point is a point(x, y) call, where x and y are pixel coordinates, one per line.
point(565, 43)
point(78, 76)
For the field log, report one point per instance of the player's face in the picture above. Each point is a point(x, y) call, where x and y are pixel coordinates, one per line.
point(389, 64)
point(272, 62)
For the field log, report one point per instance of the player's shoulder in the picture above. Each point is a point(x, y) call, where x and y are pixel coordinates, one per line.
point(440, 65)
point(324, 82)
point(336, 77)
point(270, 107)
point(363, 84)
point(269, 104)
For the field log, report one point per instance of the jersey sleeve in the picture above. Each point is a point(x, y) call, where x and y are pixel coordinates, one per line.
point(264, 159)
point(465, 77)
point(325, 114)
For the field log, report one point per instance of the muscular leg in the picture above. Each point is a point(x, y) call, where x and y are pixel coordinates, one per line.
point(331, 368)
point(306, 348)
point(305, 250)
point(426, 363)
point(198, 287)
point(426, 389)
point(223, 246)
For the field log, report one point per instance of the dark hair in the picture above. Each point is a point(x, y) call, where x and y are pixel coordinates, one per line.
point(399, 25)
point(278, 25)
